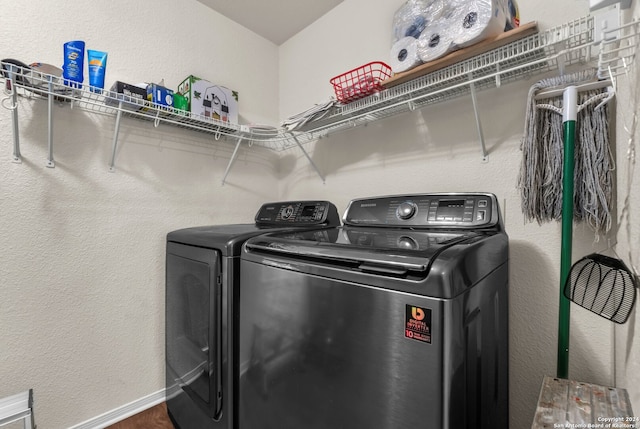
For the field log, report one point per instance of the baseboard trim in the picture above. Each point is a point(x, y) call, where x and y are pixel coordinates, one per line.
point(121, 413)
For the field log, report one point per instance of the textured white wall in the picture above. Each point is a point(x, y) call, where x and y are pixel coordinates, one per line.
point(628, 238)
point(436, 149)
point(82, 249)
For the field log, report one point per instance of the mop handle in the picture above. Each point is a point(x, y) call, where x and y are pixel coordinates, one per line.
point(569, 116)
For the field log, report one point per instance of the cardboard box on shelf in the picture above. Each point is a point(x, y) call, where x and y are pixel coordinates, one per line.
point(133, 97)
point(160, 95)
point(180, 102)
point(210, 100)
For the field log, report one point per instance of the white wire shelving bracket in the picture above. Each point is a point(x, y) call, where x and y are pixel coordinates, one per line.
point(231, 160)
point(566, 45)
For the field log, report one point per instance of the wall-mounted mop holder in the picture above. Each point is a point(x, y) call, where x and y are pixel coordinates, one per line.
point(616, 53)
point(570, 108)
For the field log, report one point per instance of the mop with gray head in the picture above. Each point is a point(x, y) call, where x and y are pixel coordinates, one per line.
point(540, 178)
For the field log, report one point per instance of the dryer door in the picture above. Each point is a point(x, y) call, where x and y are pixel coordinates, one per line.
point(193, 326)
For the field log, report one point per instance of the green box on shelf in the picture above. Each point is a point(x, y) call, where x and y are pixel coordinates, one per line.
point(210, 100)
point(180, 102)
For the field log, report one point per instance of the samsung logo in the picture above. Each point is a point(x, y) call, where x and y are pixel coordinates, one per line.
point(368, 205)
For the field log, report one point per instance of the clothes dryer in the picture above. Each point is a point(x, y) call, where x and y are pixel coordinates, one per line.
point(202, 287)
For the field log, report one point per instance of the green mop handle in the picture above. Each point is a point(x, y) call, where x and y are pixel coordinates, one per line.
point(569, 116)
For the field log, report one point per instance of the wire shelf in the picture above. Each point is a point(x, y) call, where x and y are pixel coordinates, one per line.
point(37, 85)
point(523, 57)
point(554, 49)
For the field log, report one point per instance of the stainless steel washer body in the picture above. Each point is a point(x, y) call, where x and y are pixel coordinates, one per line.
point(398, 319)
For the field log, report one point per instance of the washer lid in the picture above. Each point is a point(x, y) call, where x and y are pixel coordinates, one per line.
point(431, 263)
point(370, 249)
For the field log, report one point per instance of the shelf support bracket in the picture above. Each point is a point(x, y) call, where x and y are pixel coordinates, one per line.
point(233, 158)
point(115, 138)
point(13, 106)
point(50, 162)
point(313, 164)
point(485, 155)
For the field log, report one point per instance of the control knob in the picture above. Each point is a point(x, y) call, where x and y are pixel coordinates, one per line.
point(406, 210)
point(287, 212)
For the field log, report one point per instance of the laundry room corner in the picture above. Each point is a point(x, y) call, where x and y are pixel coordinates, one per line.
point(83, 297)
point(153, 255)
point(437, 148)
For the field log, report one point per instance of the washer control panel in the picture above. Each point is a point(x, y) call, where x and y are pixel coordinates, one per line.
point(457, 210)
point(298, 213)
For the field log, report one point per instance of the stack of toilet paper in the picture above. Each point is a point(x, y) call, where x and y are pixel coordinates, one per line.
point(424, 30)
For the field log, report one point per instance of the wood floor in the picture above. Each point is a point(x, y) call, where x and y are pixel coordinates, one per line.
point(153, 418)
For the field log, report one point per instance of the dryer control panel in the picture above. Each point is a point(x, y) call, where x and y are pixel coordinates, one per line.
point(298, 213)
point(456, 210)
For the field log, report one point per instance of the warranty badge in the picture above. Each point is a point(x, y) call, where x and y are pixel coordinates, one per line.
point(418, 323)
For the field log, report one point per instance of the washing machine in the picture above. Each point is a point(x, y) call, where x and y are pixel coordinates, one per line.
point(397, 319)
point(202, 287)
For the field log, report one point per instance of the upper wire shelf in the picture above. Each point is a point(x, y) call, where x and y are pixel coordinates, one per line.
point(554, 49)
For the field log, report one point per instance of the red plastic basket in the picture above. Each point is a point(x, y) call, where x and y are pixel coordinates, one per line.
point(360, 82)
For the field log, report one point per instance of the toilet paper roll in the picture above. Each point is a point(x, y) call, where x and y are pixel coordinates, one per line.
point(404, 54)
point(414, 16)
point(437, 39)
point(417, 27)
point(436, 8)
point(478, 20)
point(435, 42)
point(409, 19)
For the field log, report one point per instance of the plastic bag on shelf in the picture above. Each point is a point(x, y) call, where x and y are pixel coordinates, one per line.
point(414, 16)
point(424, 30)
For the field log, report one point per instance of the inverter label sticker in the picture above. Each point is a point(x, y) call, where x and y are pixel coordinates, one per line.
point(418, 323)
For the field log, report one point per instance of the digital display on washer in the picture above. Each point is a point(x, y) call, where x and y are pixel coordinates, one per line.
point(308, 211)
point(450, 208)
